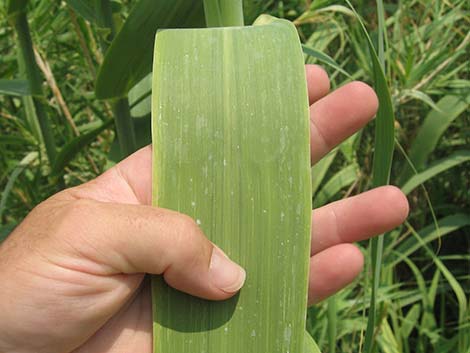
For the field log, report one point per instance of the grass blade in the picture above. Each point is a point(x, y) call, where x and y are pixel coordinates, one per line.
point(436, 168)
point(423, 97)
point(140, 100)
point(340, 180)
point(309, 344)
point(27, 160)
point(383, 154)
point(320, 169)
point(86, 9)
point(431, 130)
point(223, 13)
point(14, 87)
point(27, 63)
point(446, 226)
point(75, 146)
point(463, 314)
point(324, 58)
point(332, 324)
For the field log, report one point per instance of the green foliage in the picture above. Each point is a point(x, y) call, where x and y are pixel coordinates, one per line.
point(14, 87)
point(75, 146)
point(435, 124)
point(424, 282)
point(86, 8)
point(129, 58)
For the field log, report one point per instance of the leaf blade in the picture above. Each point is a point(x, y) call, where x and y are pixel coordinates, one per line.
point(14, 87)
point(217, 157)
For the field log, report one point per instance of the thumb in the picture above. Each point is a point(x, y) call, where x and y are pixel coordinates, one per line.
point(123, 238)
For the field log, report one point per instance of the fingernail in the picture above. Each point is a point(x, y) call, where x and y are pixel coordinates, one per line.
point(225, 274)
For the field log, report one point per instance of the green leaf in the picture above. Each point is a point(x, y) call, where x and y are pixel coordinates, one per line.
point(27, 160)
point(324, 58)
point(436, 168)
point(445, 226)
point(143, 131)
point(320, 169)
point(309, 344)
point(454, 284)
point(129, 58)
point(14, 87)
point(434, 125)
point(223, 13)
point(319, 7)
point(75, 146)
point(16, 6)
point(14, 140)
point(349, 147)
point(32, 119)
point(140, 100)
point(410, 320)
point(253, 8)
point(143, 137)
point(232, 150)
point(86, 8)
point(332, 323)
point(383, 152)
point(335, 184)
point(423, 97)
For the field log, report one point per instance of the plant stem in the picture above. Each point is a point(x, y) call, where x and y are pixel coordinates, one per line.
point(121, 111)
point(50, 79)
point(27, 63)
point(223, 13)
point(332, 328)
point(82, 41)
point(105, 16)
point(124, 126)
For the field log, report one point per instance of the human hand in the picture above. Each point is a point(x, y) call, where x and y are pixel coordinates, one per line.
point(72, 272)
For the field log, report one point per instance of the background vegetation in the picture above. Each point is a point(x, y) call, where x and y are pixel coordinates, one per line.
point(423, 299)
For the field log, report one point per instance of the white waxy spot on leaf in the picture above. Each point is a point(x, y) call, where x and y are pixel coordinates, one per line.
point(287, 334)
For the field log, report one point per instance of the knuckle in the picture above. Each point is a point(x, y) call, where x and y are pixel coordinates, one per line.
point(194, 247)
point(187, 225)
point(74, 218)
point(80, 209)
